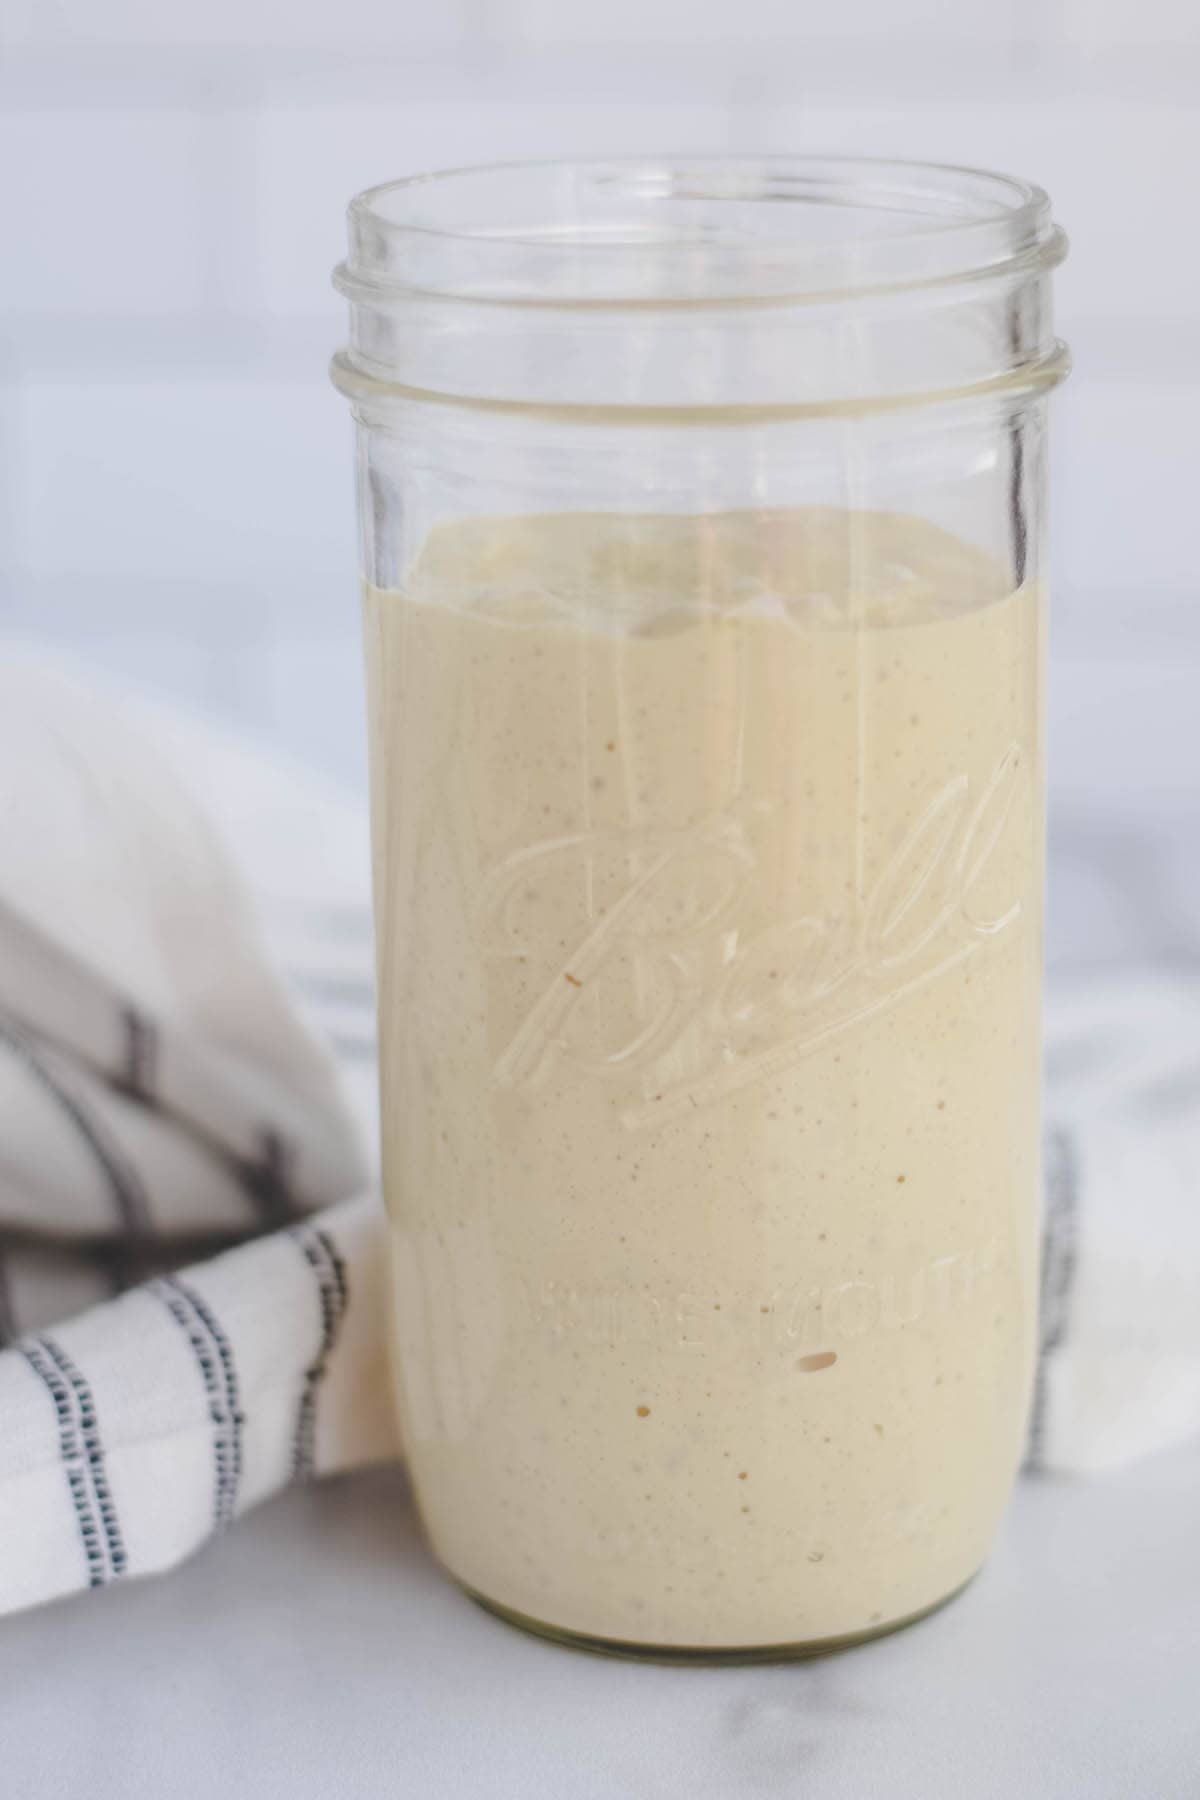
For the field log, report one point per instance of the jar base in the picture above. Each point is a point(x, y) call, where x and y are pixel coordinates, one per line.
point(680, 1654)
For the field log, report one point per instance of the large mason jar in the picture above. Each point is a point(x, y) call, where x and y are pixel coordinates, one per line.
point(702, 537)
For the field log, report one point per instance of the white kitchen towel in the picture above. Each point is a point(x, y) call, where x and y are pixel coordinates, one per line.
point(184, 939)
point(1119, 1373)
point(161, 1097)
point(135, 1431)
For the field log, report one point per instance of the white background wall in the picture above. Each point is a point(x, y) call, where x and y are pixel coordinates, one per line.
point(175, 471)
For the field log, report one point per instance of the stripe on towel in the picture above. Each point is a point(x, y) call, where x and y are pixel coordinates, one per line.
point(140, 1074)
point(268, 1179)
point(82, 1454)
point(329, 1273)
point(123, 1180)
point(214, 1358)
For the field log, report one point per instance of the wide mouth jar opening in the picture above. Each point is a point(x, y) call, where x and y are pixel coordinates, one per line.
point(575, 253)
point(690, 229)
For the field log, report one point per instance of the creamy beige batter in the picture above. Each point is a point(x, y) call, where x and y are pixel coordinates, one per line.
point(708, 885)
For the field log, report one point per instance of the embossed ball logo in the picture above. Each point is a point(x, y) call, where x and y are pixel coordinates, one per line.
point(684, 985)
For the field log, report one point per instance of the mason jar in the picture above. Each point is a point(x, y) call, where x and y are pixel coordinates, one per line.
point(702, 510)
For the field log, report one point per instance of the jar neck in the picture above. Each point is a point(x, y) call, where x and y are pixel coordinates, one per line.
point(688, 288)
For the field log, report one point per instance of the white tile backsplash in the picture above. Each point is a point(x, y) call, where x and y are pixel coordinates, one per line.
point(1125, 513)
point(1123, 733)
point(313, 159)
point(793, 21)
point(232, 24)
point(206, 481)
point(1121, 176)
point(21, 20)
point(1116, 24)
point(100, 209)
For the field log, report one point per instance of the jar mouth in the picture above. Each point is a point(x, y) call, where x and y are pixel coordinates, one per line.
point(688, 231)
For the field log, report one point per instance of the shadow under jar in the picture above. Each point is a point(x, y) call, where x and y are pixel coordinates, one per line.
point(701, 512)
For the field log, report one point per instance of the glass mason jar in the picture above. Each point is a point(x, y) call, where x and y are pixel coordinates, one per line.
point(702, 527)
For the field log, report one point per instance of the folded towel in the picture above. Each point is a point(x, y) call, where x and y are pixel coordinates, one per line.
point(163, 1098)
point(1119, 1373)
point(187, 1064)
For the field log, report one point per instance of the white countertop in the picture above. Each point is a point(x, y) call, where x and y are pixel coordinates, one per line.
point(318, 1652)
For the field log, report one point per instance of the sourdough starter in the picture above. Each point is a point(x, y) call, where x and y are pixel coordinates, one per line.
point(708, 894)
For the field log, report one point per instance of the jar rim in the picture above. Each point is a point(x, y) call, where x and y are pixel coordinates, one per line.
point(691, 230)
